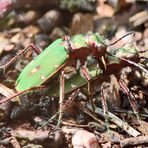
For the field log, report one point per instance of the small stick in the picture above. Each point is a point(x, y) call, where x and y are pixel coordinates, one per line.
point(122, 124)
point(20, 93)
point(5, 91)
point(86, 111)
point(134, 141)
point(75, 125)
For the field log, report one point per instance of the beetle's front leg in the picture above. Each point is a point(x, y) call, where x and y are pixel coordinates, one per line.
point(88, 78)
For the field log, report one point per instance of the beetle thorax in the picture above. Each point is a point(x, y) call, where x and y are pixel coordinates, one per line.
point(81, 46)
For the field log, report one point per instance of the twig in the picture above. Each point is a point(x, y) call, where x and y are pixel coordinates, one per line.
point(74, 125)
point(122, 124)
point(5, 91)
point(20, 93)
point(134, 141)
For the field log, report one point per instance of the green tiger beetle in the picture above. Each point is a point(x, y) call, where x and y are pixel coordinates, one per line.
point(72, 51)
point(59, 54)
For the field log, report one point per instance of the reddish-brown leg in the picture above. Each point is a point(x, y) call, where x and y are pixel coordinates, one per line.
point(129, 95)
point(88, 78)
point(61, 99)
point(37, 50)
point(85, 73)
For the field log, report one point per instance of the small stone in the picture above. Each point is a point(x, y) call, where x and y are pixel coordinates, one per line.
point(78, 21)
point(83, 138)
point(9, 47)
point(50, 20)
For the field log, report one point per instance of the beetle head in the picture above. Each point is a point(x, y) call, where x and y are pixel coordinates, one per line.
point(97, 41)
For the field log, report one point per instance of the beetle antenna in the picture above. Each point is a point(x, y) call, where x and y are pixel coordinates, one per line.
point(122, 38)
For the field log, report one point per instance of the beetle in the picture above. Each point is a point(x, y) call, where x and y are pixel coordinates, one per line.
point(69, 51)
point(59, 54)
point(62, 52)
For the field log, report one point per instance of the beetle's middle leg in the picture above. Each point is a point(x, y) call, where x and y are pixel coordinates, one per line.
point(61, 99)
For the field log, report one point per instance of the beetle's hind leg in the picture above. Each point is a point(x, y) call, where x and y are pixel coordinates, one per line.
point(30, 46)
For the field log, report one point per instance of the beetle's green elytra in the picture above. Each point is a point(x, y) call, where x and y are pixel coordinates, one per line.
point(43, 66)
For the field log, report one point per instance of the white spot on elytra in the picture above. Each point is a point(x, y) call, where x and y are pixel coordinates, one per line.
point(42, 77)
point(73, 85)
point(56, 66)
point(34, 70)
